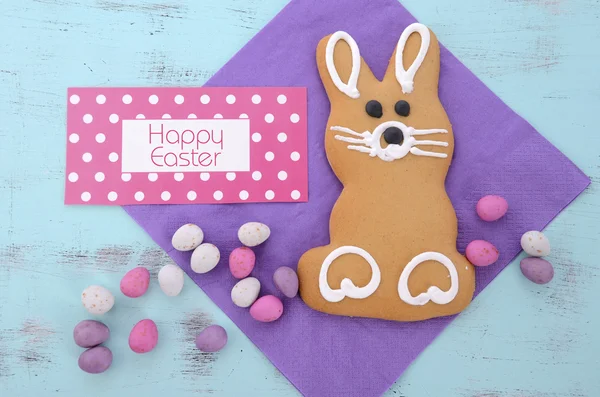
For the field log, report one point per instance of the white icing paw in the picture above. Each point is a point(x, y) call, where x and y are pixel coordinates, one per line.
point(347, 287)
point(433, 293)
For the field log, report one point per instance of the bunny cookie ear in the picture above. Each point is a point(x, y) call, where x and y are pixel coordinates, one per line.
point(419, 49)
point(338, 60)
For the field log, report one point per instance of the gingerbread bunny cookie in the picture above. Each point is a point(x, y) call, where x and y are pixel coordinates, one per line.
point(393, 229)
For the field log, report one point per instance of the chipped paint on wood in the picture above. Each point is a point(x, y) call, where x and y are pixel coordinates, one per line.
point(196, 363)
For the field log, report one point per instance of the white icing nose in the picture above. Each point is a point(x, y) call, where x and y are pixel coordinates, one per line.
point(433, 293)
point(347, 287)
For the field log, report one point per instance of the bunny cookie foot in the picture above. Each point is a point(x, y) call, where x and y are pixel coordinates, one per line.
point(349, 281)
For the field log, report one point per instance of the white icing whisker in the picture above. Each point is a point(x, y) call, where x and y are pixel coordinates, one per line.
point(362, 149)
point(432, 143)
point(413, 131)
point(351, 132)
point(419, 152)
point(349, 140)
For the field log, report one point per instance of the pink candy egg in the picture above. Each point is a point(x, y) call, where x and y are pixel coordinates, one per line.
point(143, 337)
point(482, 253)
point(135, 282)
point(266, 309)
point(491, 208)
point(241, 262)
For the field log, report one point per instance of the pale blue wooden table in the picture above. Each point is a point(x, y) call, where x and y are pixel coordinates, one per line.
point(516, 339)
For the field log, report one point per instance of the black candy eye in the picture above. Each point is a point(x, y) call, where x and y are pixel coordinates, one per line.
point(374, 109)
point(402, 108)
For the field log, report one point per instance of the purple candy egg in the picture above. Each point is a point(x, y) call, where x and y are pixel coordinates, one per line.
point(212, 339)
point(286, 281)
point(538, 270)
point(95, 360)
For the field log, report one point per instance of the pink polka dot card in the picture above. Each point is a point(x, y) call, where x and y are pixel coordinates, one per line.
point(186, 145)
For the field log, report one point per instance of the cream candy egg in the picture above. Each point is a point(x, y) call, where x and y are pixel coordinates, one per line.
point(170, 279)
point(204, 258)
point(187, 237)
point(535, 243)
point(252, 234)
point(245, 292)
point(97, 299)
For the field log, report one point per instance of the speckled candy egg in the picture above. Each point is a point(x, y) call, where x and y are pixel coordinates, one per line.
point(143, 336)
point(267, 309)
point(538, 270)
point(491, 208)
point(286, 281)
point(95, 360)
point(252, 234)
point(90, 333)
point(212, 339)
point(205, 257)
point(241, 262)
point(187, 237)
point(535, 243)
point(135, 282)
point(97, 299)
point(245, 292)
point(481, 253)
point(170, 279)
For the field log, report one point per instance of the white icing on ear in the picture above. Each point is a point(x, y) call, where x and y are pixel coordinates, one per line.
point(433, 293)
point(347, 287)
point(406, 77)
point(349, 88)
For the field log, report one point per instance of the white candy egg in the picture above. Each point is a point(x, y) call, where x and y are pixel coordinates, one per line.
point(97, 299)
point(205, 258)
point(170, 279)
point(245, 292)
point(252, 234)
point(535, 243)
point(187, 237)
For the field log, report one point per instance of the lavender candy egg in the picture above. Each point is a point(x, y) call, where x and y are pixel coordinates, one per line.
point(538, 270)
point(212, 339)
point(95, 360)
point(286, 281)
point(491, 208)
point(90, 333)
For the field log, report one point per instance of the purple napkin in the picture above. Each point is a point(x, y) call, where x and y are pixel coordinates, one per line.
point(497, 152)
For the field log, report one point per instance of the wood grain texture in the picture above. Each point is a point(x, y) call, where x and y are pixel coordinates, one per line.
point(517, 339)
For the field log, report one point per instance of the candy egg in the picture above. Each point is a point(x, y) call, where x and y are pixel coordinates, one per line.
point(204, 258)
point(143, 336)
point(241, 262)
point(491, 208)
point(252, 234)
point(212, 339)
point(286, 281)
point(481, 253)
point(538, 270)
point(170, 279)
point(187, 237)
point(535, 243)
point(90, 333)
point(135, 282)
point(97, 299)
point(245, 292)
point(95, 360)
point(267, 309)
